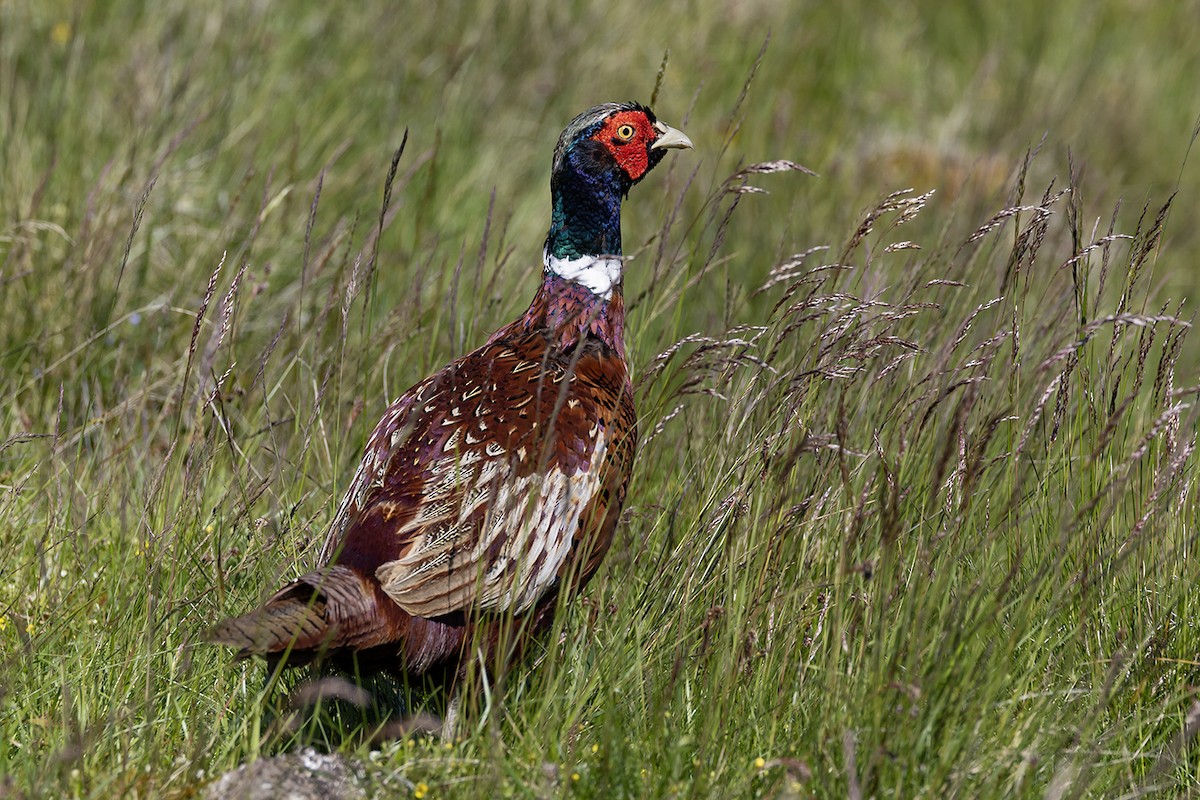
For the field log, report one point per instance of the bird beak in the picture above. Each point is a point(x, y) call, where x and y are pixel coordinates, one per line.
point(669, 137)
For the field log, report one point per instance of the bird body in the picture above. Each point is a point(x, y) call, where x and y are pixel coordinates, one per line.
point(498, 480)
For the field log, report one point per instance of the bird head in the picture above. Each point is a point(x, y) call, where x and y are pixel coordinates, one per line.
point(616, 143)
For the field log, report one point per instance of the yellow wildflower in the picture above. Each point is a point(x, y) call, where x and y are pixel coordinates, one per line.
point(420, 790)
point(760, 762)
point(60, 34)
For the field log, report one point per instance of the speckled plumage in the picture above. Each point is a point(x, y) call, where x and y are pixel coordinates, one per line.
point(498, 479)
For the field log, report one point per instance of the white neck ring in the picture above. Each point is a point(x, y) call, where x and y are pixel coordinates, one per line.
point(598, 274)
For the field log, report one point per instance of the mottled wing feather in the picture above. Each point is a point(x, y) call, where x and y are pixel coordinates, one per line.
point(599, 523)
point(481, 481)
point(367, 479)
point(504, 548)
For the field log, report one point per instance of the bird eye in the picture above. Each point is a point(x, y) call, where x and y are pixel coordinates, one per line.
point(625, 132)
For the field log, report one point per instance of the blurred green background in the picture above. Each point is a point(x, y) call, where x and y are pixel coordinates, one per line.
point(217, 100)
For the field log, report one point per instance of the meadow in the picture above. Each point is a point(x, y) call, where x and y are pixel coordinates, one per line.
point(913, 513)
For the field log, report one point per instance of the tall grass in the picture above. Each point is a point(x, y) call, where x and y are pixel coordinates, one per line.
point(913, 513)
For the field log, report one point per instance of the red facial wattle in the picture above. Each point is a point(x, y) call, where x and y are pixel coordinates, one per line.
point(632, 153)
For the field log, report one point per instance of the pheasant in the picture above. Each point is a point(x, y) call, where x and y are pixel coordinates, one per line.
point(496, 483)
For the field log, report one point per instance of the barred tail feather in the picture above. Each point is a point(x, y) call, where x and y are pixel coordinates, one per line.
point(331, 608)
point(279, 624)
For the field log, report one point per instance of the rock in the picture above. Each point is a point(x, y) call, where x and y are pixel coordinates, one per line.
point(304, 775)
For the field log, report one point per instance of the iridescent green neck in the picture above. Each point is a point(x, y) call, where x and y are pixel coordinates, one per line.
point(585, 207)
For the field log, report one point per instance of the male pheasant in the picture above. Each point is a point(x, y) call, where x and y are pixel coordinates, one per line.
point(497, 481)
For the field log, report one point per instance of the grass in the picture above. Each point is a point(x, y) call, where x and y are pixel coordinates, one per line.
point(913, 513)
